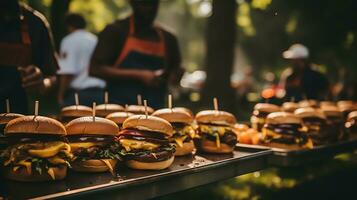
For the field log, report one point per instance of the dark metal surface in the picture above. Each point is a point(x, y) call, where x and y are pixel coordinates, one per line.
point(289, 158)
point(186, 172)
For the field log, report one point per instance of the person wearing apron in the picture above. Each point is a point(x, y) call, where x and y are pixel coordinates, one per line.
point(26, 54)
point(136, 57)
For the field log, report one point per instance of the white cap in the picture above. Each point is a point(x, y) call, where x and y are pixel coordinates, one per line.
point(296, 51)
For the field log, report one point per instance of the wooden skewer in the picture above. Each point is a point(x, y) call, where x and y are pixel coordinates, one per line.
point(139, 99)
point(7, 106)
point(93, 112)
point(106, 97)
point(215, 104)
point(76, 98)
point(36, 108)
point(146, 108)
point(170, 101)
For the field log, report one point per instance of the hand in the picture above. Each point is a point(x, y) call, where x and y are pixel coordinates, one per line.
point(149, 77)
point(31, 77)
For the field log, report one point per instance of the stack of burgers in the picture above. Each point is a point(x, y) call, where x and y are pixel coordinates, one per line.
point(261, 111)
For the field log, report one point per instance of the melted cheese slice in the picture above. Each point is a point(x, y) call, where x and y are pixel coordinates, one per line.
point(179, 140)
point(129, 144)
point(27, 165)
point(50, 150)
point(56, 160)
point(218, 141)
point(51, 173)
point(109, 165)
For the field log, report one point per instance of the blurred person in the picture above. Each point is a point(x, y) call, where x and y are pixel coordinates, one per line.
point(27, 56)
point(301, 81)
point(75, 53)
point(135, 56)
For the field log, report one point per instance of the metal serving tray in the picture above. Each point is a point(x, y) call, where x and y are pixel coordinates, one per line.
point(290, 158)
point(186, 172)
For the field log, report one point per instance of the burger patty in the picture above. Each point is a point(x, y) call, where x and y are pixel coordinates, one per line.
point(288, 133)
point(141, 133)
point(229, 138)
point(286, 129)
point(161, 154)
point(90, 138)
point(110, 150)
point(143, 138)
point(33, 138)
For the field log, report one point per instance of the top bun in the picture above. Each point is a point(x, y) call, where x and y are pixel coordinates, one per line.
point(290, 106)
point(148, 123)
point(174, 115)
point(327, 103)
point(35, 125)
point(6, 117)
point(139, 109)
point(119, 117)
point(308, 103)
point(331, 111)
point(215, 117)
point(76, 111)
point(283, 118)
point(345, 103)
point(309, 112)
point(346, 106)
point(105, 109)
point(352, 115)
point(266, 107)
point(86, 125)
point(186, 110)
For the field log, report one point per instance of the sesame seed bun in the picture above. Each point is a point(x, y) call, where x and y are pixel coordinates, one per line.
point(119, 117)
point(309, 112)
point(266, 107)
point(290, 106)
point(174, 115)
point(76, 111)
point(283, 118)
point(86, 125)
point(105, 109)
point(148, 123)
point(6, 117)
point(35, 125)
point(215, 117)
point(138, 109)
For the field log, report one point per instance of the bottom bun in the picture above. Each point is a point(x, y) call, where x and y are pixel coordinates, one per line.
point(186, 149)
point(93, 165)
point(150, 166)
point(211, 147)
point(21, 174)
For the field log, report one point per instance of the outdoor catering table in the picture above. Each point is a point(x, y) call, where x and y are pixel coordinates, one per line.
point(290, 158)
point(186, 172)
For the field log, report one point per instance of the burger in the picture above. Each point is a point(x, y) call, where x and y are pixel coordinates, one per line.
point(145, 142)
point(139, 109)
point(119, 117)
point(261, 111)
point(316, 123)
point(105, 109)
point(308, 103)
point(70, 113)
point(37, 149)
point(290, 106)
point(285, 130)
point(4, 119)
point(327, 103)
point(215, 132)
point(346, 107)
point(335, 121)
point(93, 145)
point(351, 123)
point(183, 132)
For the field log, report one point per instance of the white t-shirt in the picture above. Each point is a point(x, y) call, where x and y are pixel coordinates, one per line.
point(75, 54)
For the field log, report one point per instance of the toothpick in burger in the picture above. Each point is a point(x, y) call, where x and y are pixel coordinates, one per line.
point(183, 134)
point(145, 140)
